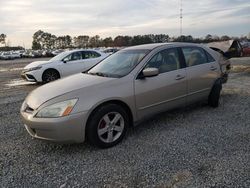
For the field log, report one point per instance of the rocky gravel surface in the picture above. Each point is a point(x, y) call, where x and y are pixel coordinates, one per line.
point(193, 147)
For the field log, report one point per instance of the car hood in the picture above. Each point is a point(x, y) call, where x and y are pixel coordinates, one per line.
point(63, 86)
point(35, 64)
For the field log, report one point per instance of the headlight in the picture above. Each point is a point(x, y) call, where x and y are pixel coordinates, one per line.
point(32, 69)
point(57, 110)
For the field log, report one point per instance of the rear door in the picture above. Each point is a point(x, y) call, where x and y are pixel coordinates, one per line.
point(165, 91)
point(202, 71)
point(91, 58)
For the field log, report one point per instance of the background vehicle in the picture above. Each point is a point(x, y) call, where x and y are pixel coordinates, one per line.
point(110, 50)
point(231, 48)
point(7, 55)
point(124, 89)
point(16, 55)
point(56, 52)
point(246, 49)
point(64, 64)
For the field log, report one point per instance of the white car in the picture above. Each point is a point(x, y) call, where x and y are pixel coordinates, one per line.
point(64, 64)
point(16, 55)
point(7, 55)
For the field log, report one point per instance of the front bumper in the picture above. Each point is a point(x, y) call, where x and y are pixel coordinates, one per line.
point(28, 77)
point(68, 129)
point(32, 76)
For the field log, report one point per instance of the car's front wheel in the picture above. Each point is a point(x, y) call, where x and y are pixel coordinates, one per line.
point(107, 126)
point(50, 75)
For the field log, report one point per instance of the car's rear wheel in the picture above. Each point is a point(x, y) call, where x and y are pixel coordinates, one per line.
point(214, 96)
point(107, 126)
point(50, 75)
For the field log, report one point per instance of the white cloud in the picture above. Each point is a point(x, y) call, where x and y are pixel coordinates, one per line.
point(21, 18)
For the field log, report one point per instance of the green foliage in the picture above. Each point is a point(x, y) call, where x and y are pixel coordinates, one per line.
point(63, 42)
point(184, 38)
point(44, 40)
point(36, 45)
point(81, 41)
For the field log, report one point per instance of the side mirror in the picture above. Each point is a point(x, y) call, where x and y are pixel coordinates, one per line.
point(150, 72)
point(64, 61)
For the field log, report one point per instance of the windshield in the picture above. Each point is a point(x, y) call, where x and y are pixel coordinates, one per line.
point(60, 56)
point(118, 64)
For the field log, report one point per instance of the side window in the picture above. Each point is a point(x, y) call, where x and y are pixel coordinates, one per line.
point(194, 56)
point(90, 54)
point(209, 57)
point(166, 60)
point(95, 54)
point(73, 57)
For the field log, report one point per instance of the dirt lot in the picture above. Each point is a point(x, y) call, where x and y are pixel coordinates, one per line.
point(194, 147)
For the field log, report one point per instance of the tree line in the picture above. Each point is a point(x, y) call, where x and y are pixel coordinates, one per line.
point(45, 40)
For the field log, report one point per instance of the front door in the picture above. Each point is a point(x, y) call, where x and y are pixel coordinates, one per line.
point(165, 91)
point(73, 63)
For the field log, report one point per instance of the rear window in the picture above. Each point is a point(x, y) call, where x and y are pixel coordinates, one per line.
point(90, 54)
point(196, 56)
point(209, 57)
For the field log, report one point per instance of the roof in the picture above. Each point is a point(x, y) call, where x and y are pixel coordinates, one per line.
point(156, 45)
point(147, 46)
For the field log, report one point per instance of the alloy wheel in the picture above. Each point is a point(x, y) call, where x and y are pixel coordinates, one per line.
point(110, 127)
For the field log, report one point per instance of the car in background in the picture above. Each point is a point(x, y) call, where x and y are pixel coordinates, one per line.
point(21, 52)
point(16, 55)
point(47, 53)
point(64, 64)
point(110, 50)
point(122, 90)
point(246, 49)
point(7, 56)
point(26, 53)
point(57, 52)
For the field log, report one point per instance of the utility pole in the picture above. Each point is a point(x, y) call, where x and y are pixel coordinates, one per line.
point(181, 17)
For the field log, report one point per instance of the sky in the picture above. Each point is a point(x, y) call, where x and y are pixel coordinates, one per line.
point(20, 19)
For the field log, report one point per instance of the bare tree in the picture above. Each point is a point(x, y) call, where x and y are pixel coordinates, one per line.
point(3, 39)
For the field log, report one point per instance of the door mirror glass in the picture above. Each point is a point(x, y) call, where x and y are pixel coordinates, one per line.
point(149, 72)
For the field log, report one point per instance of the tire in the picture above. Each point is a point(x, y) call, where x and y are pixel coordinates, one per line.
point(214, 96)
point(50, 75)
point(104, 133)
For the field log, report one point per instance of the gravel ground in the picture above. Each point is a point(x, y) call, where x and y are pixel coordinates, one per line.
point(193, 147)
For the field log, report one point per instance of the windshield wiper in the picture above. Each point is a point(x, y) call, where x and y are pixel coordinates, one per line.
point(98, 74)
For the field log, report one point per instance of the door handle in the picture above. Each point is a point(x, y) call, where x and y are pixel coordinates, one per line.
point(179, 77)
point(212, 68)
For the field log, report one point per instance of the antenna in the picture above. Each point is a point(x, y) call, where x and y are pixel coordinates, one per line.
point(181, 17)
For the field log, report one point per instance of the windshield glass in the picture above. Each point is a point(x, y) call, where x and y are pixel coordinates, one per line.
point(60, 56)
point(118, 64)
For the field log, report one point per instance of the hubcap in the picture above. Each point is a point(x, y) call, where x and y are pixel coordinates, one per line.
point(51, 76)
point(110, 127)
